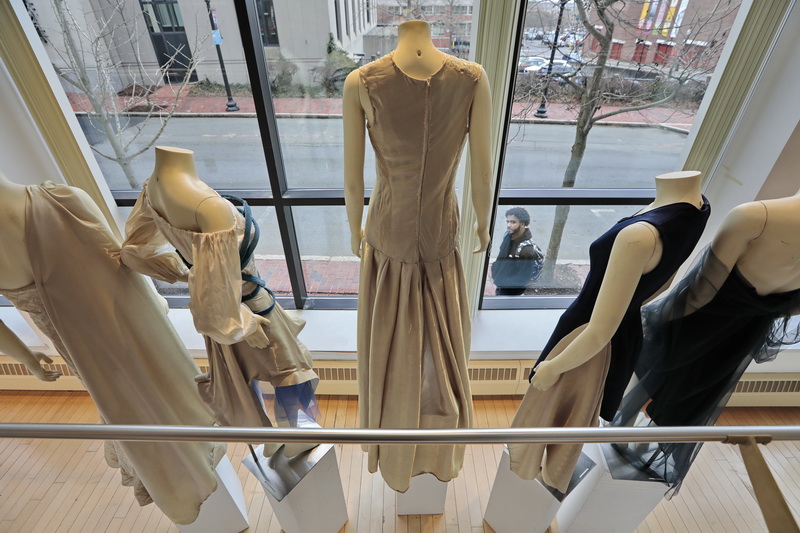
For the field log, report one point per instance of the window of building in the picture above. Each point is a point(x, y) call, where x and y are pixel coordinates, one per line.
point(616, 50)
point(269, 28)
point(641, 51)
point(462, 10)
point(338, 15)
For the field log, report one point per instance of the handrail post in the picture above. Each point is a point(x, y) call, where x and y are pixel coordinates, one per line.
point(770, 499)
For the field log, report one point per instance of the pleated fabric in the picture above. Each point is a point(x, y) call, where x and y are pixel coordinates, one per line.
point(107, 324)
point(413, 317)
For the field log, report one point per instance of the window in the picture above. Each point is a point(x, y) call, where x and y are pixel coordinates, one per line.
point(286, 161)
point(574, 196)
point(462, 10)
point(269, 29)
point(641, 51)
point(616, 50)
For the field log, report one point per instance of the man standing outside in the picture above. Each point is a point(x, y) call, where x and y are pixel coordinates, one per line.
point(519, 261)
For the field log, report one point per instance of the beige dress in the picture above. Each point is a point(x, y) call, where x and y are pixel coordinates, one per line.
point(112, 333)
point(413, 317)
point(215, 290)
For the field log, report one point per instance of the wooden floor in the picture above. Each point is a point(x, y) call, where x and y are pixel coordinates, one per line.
point(65, 486)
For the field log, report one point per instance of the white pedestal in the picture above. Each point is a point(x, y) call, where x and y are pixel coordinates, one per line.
point(305, 491)
point(614, 498)
point(517, 505)
point(425, 495)
point(224, 511)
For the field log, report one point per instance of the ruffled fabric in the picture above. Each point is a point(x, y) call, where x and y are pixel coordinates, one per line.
point(215, 290)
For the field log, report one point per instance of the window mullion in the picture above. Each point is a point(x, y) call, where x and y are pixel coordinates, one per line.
point(259, 80)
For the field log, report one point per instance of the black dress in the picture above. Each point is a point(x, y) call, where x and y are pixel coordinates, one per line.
point(575, 399)
point(692, 358)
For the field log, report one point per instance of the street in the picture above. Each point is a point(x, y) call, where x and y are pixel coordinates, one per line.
point(229, 154)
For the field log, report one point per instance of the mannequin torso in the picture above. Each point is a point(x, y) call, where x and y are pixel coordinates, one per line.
point(762, 239)
point(178, 195)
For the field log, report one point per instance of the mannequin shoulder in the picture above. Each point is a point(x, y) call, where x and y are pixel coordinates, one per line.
point(214, 215)
point(640, 238)
point(746, 221)
point(471, 69)
point(352, 83)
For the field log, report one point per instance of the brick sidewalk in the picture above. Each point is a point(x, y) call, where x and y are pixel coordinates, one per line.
point(165, 96)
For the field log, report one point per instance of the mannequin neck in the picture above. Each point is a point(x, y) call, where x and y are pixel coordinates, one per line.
point(677, 187)
point(174, 164)
point(415, 54)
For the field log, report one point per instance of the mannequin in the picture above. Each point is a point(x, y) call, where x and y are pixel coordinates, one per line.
point(182, 229)
point(590, 356)
point(59, 262)
point(418, 105)
point(732, 308)
point(15, 271)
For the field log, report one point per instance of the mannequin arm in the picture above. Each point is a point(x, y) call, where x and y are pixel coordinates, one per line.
point(12, 346)
point(480, 148)
point(633, 254)
point(354, 145)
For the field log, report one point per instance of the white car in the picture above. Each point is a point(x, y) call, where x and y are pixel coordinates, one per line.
point(542, 68)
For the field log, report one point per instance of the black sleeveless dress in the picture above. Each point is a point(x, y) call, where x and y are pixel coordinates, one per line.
point(576, 398)
point(692, 358)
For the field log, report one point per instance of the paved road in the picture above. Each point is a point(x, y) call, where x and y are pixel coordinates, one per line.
point(228, 153)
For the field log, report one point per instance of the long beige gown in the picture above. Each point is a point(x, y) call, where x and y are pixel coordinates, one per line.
point(413, 317)
point(107, 325)
point(215, 290)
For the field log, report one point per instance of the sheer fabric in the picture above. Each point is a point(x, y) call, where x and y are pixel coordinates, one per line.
point(699, 340)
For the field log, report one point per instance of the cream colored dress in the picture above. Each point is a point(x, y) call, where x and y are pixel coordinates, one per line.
point(413, 316)
point(112, 333)
point(215, 290)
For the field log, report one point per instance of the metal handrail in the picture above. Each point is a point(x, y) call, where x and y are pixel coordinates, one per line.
point(397, 436)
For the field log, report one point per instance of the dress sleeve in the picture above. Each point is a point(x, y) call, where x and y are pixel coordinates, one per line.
point(215, 288)
point(146, 249)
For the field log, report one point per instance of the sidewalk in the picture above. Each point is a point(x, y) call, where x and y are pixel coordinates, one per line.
point(556, 112)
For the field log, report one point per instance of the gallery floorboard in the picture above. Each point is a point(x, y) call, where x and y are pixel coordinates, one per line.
point(65, 486)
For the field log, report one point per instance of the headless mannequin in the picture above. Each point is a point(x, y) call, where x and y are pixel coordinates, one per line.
point(417, 57)
point(182, 199)
point(762, 240)
point(16, 272)
point(637, 250)
point(179, 196)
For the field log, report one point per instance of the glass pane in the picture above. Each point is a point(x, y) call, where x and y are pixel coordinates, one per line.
point(662, 57)
point(329, 266)
point(516, 271)
point(308, 69)
point(124, 107)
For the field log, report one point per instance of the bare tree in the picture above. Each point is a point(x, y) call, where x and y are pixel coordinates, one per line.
point(598, 84)
point(99, 48)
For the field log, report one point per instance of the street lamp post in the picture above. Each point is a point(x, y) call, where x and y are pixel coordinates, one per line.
point(542, 111)
point(212, 18)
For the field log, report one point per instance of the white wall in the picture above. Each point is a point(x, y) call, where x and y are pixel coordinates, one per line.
point(24, 156)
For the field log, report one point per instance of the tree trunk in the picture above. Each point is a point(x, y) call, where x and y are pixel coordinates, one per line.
point(584, 125)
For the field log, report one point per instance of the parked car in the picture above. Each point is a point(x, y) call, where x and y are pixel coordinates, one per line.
point(560, 70)
point(530, 61)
